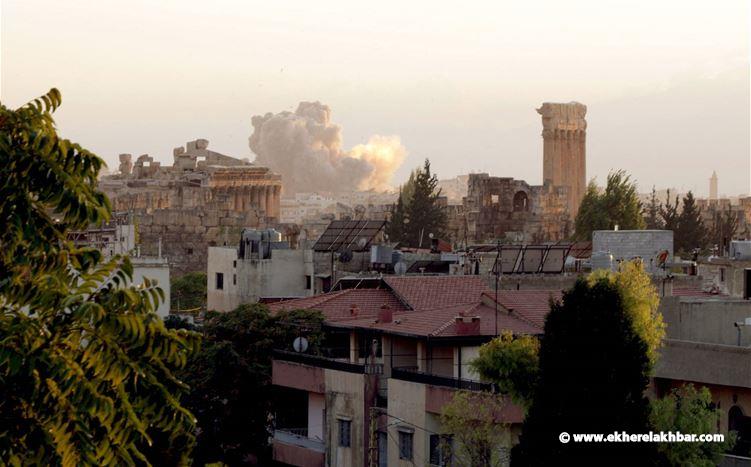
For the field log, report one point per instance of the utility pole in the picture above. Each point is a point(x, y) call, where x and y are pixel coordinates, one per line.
point(497, 279)
point(373, 448)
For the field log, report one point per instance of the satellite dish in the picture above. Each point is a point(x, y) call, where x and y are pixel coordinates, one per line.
point(300, 344)
point(400, 268)
point(345, 256)
point(362, 242)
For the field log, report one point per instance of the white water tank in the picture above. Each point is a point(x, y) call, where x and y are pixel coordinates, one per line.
point(740, 249)
point(602, 260)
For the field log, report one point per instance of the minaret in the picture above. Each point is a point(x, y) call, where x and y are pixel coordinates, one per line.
point(564, 160)
point(713, 186)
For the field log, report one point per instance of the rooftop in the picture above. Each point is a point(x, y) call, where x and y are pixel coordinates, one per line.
point(427, 306)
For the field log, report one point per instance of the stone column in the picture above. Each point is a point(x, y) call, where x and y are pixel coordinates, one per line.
point(253, 197)
point(277, 201)
point(564, 132)
point(269, 201)
point(262, 199)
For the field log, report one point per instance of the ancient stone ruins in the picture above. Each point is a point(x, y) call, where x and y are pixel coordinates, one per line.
point(205, 198)
point(501, 207)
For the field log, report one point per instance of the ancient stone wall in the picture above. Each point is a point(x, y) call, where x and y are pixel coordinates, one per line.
point(504, 208)
point(204, 199)
point(186, 234)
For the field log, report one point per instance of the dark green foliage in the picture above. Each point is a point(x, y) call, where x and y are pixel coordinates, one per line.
point(230, 380)
point(87, 368)
point(593, 373)
point(419, 214)
point(690, 232)
point(670, 213)
point(689, 410)
point(511, 362)
point(188, 292)
point(651, 213)
point(395, 227)
point(724, 229)
point(617, 205)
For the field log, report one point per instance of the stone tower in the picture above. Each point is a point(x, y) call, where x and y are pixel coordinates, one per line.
point(713, 186)
point(564, 161)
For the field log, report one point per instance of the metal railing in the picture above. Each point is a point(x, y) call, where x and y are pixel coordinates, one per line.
point(414, 376)
point(318, 361)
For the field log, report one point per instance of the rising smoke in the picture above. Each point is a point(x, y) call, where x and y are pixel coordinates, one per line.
point(306, 149)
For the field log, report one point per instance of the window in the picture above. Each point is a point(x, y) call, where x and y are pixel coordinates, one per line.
point(234, 279)
point(722, 274)
point(309, 282)
point(234, 264)
point(189, 251)
point(219, 281)
point(345, 432)
point(440, 450)
point(405, 444)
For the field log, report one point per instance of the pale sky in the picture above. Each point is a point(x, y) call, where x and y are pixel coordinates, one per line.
point(666, 82)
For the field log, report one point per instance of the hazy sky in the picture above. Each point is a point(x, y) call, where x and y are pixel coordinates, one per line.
point(666, 82)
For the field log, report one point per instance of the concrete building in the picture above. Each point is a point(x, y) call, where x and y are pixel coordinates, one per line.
point(119, 238)
point(259, 268)
point(728, 276)
point(709, 344)
point(397, 350)
point(625, 245)
point(204, 199)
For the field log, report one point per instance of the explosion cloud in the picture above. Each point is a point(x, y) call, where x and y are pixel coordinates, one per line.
point(306, 149)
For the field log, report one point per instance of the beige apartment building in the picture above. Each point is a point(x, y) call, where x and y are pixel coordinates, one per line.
point(397, 349)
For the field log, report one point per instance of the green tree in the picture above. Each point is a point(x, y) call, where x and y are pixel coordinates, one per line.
point(724, 229)
point(512, 363)
point(395, 227)
point(618, 205)
point(188, 292)
point(689, 410)
point(669, 213)
point(87, 368)
point(479, 438)
point(230, 379)
point(594, 369)
point(640, 301)
point(651, 213)
point(424, 216)
point(690, 232)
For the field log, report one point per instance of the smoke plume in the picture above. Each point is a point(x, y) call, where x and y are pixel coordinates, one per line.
point(306, 149)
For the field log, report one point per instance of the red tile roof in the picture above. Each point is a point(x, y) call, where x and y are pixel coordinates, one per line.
point(338, 305)
point(531, 305)
point(429, 305)
point(692, 290)
point(426, 292)
point(442, 322)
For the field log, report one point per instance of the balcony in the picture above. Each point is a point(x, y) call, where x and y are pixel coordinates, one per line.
point(298, 437)
point(293, 447)
point(319, 362)
point(415, 376)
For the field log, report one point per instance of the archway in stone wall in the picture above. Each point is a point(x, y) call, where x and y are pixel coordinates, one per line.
point(521, 202)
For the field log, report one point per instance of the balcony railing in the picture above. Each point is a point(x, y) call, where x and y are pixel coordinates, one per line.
point(444, 381)
point(298, 437)
point(318, 361)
